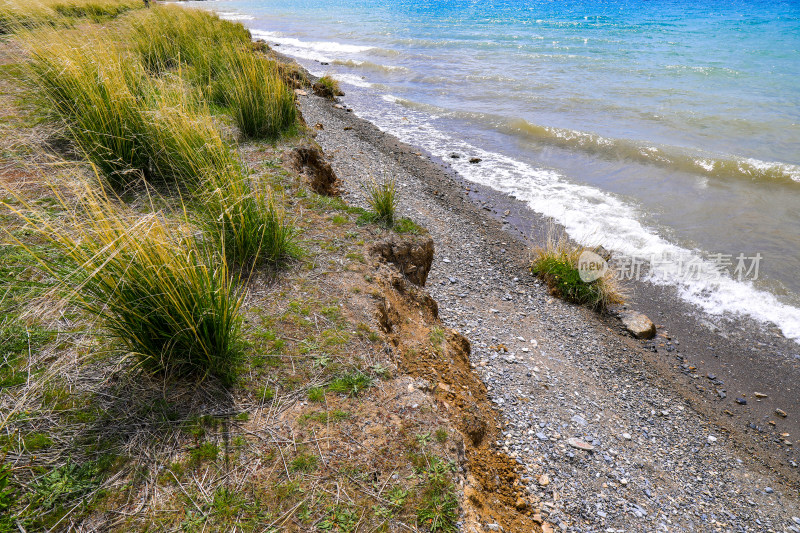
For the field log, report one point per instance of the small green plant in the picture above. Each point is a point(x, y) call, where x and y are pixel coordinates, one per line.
point(441, 435)
point(64, 484)
point(556, 263)
point(382, 199)
point(437, 336)
point(316, 394)
point(266, 394)
point(8, 498)
point(340, 518)
point(205, 452)
point(350, 384)
point(438, 508)
point(397, 495)
point(304, 463)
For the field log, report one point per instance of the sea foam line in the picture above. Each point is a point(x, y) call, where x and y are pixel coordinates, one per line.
point(586, 213)
point(590, 215)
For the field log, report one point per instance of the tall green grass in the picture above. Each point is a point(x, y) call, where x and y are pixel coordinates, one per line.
point(161, 293)
point(249, 223)
point(165, 37)
point(217, 57)
point(128, 124)
point(253, 88)
point(25, 14)
point(382, 198)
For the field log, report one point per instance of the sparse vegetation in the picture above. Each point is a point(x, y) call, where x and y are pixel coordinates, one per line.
point(556, 263)
point(350, 384)
point(135, 358)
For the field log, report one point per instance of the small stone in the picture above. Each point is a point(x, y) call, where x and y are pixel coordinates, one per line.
point(759, 395)
point(626, 436)
point(781, 413)
point(579, 444)
point(623, 482)
point(474, 160)
point(796, 520)
point(455, 156)
point(493, 527)
point(445, 260)
point(712, 439)
point(769, 490)
point(300, 92)
point(541, 436)
point(338, 106)
point(578, 419)
point(741, 401)
point(544, 480)
point(638, 325)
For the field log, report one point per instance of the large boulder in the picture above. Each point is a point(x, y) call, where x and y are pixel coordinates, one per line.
point(309, 160)
point(411, 254)
point(638, 324)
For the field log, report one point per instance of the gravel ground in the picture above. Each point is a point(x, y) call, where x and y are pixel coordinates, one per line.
point(656, 464)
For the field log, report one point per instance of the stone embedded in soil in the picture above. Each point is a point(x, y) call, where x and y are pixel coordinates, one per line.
point(411, 254)
point(474, 160)
point(579, 444)
point(741, 401)
point(781, 413)
point(638, 325)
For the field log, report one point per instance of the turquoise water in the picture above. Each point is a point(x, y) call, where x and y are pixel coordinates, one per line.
point(654, 127)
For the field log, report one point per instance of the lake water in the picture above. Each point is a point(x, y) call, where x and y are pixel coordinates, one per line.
point(659, 129)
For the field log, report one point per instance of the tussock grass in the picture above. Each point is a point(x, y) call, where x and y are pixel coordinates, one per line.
point(217, 56)
point(253, 87)
point(166, 37)
point(160, 293)
point(382, 199)
point(26, 14)
point(129, 125)
point(556, 263)
point(248, 222)
point(328, 87)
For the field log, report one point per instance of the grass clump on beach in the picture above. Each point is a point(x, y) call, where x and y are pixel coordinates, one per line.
point(160, 293)
point(382, 199)
point(327, 86)
point(556, 263)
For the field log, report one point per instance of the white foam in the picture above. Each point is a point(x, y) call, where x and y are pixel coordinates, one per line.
point(590, 215)
point(323, 51)
point(231, 15)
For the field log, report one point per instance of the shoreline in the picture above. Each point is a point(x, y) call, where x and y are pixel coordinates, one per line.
point(438, 187)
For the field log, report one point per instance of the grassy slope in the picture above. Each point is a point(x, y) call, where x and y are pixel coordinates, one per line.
point(318, 433)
